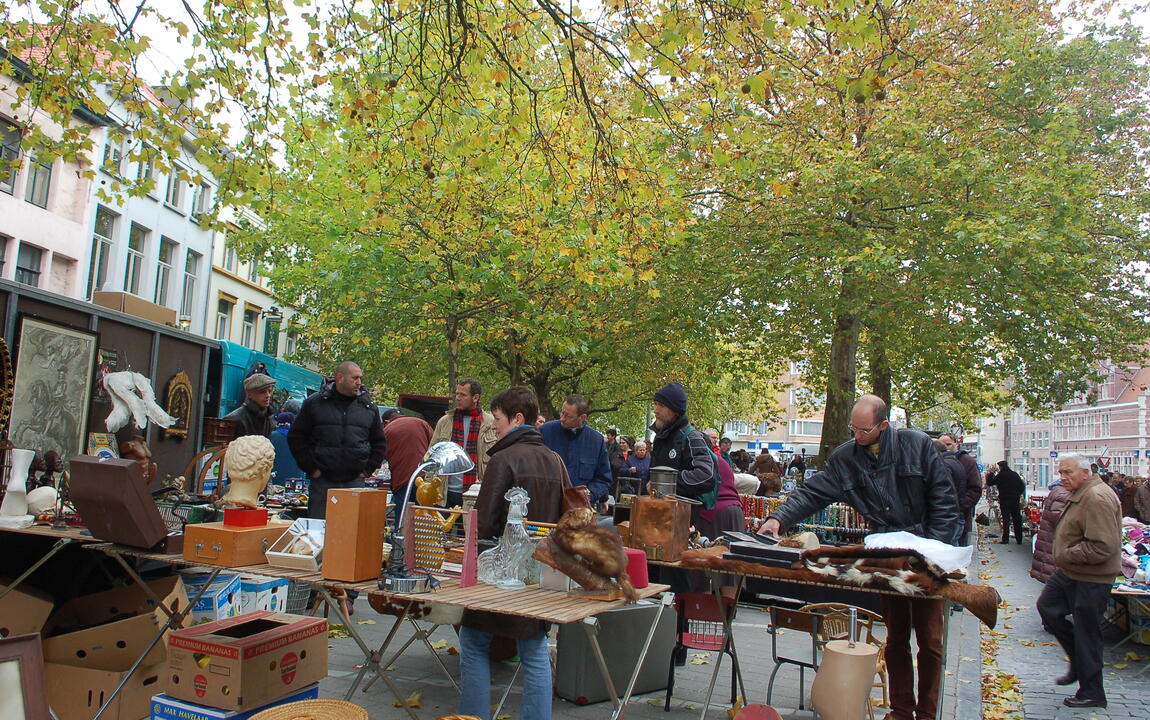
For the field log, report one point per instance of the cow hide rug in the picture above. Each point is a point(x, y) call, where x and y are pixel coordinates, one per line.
point(901, 571)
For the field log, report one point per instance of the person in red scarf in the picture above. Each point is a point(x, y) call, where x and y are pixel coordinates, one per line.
point(469, 427)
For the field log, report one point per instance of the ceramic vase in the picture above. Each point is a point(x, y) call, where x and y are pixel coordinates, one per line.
point(16, 496)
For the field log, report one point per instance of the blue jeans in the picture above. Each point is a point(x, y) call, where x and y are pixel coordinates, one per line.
point(475, 667)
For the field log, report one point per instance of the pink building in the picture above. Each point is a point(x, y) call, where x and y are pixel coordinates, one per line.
point(1109, 421)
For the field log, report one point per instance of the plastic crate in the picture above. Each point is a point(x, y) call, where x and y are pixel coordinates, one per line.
point(176, 515)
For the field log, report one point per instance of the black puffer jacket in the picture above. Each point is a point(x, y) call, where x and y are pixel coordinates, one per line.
point(341, 437)
point(906, 488)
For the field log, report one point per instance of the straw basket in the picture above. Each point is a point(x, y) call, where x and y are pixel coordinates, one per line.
point(323, 709)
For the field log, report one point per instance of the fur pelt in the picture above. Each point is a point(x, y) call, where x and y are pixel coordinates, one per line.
point(598, 550)
point(855, 566)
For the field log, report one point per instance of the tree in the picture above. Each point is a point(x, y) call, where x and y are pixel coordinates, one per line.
point(962, 213)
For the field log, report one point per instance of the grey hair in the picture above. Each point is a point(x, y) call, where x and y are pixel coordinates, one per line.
point(641, 442)
point(1080, 461)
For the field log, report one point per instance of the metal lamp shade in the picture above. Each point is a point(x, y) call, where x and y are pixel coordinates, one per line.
point(450, 458)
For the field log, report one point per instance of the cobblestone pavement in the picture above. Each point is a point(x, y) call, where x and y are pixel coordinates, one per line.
point(1030, 653)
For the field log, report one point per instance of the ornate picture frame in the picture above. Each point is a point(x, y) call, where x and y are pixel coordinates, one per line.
point(22, 689)
point(53, 387)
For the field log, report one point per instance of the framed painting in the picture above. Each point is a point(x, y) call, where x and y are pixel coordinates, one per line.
point(53, 388)
point(22, 691)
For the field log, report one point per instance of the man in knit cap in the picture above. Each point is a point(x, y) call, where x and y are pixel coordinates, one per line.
point(680, 446)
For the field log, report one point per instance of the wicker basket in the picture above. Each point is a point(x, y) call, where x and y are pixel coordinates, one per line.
point(322, 709)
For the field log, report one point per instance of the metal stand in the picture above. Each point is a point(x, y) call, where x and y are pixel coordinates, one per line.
point(174, 619)
point(57, 547)
point(591, 627)
point(729, 633)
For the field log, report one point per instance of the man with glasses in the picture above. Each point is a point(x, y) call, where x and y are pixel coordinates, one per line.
point(582, 448)
point(896, 479)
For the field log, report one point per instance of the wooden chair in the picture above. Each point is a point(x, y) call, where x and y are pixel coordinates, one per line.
point(836, 626)
point(799, 621)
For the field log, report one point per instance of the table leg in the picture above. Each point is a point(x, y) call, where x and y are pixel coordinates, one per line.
point(425, 636)
point(729, 636)
point(591, 627)
point(173, 619)
point(507, 691)
point(367, 653)
point(942, 667)
point(372, 662)
point(56, 547)
point(621, 707)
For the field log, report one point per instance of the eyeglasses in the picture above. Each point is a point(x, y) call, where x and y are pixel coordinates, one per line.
point(865, 431)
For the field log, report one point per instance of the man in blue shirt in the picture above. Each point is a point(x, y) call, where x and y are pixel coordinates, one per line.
point(582, 448)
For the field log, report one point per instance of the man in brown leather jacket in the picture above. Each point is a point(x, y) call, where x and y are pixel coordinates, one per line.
point(1087, 550)
point(518, 459)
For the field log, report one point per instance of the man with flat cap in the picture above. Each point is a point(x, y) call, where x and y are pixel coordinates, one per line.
point(255, 416)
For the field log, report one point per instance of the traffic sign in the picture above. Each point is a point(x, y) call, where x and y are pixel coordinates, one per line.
point(1134, 453)
point(1025, 453)
point(1104, 461)
point(1053, 453)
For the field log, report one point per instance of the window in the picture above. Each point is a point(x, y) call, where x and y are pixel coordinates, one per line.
point(231, 262)
point(137, 243)
point(254, 271)
point(164, 271)
point(191, 271)
point(291, 343)
point(9, 156)
point(202, 204)
point(145, 165)
point(174, 195)
point(101, 250)
point(3, 252)
point(813, 428)
point(248, 334)
point(28, 259)
point(39, 179)
point(224, 319)
point(113, 161)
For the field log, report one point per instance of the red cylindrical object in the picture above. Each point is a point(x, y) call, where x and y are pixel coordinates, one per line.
point(637, 567)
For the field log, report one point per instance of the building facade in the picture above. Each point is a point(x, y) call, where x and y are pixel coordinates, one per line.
point(44, 202)
point(243, 309)
point(799, 431)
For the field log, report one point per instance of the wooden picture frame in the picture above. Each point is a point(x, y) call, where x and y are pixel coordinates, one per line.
point(22, 689)
point(53, 387)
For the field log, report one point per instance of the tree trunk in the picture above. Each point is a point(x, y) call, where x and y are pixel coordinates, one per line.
point(879, 369)
point(452, 333)
point(841, 381)
point(541, 384)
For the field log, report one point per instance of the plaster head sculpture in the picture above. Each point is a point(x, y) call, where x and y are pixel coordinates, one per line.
point(248, 463)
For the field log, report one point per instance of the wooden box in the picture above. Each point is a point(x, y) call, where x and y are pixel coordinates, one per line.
point(353, 535)
point(217, 544)
point(660, 527)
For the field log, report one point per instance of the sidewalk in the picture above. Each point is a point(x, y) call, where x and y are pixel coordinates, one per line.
point(1032, 655)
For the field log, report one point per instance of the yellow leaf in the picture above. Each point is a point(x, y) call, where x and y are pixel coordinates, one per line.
point(413, 700)
point(439, 644)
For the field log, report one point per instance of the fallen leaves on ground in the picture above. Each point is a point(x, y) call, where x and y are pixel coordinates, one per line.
point(364, 622)
point(700, 658)
point(337, 631)
point(439, 645)
point(413, 700)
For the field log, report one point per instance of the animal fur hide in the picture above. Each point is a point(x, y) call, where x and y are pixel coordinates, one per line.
point(855, 566)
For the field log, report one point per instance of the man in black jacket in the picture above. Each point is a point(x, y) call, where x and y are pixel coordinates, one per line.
point(895, 478)
point(678, 445)
point(1011, 488)
point(972, 491)
point(254, 417)
point(337, 438)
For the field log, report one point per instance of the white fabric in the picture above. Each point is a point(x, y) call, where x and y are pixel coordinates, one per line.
point(746, 484)
point(947, 557)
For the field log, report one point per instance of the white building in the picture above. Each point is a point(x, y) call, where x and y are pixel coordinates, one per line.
point(156, 247)
point(44, 204)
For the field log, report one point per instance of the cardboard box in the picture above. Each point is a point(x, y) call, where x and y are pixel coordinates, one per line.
point(221, 599)
point(133, 305)
point(108, 630)
point(217, 544)
point(246, 661)
point(258, 592)
point(353, 538)
point(23, 610)
point(165, 707)
point(77, 693)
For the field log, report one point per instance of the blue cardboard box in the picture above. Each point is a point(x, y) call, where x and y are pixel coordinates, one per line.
point(169, 708)
point(221, 599)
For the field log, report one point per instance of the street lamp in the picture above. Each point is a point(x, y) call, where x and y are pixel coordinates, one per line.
point(445, 458)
